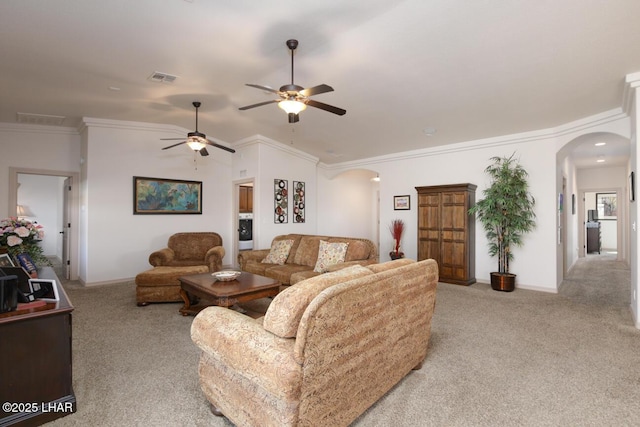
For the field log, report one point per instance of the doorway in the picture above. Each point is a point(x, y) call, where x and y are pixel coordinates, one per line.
point(602, 223)
point(244, 216)
point(51, 196)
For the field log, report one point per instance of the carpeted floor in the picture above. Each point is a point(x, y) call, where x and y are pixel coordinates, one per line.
point(496, 359)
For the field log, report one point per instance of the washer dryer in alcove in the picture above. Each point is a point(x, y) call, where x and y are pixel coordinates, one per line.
point(245, 231)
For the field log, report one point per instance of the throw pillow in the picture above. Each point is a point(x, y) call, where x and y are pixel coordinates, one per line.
point(330, 254)
point(279, 252)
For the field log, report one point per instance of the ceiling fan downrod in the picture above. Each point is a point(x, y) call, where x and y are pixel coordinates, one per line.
point(292, 44)
point(197, 105)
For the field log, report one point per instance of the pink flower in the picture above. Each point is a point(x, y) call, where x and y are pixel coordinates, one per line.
point(22, 231)
point(14, 241)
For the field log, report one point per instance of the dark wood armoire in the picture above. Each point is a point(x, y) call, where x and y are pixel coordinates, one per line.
point(446, 231)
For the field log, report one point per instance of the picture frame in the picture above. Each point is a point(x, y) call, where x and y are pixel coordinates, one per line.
point(6, 261)
point(280, 201)
point(298, 202)
point(573, 204)
point(44, 289)
point(27, 263)
point(402, 203)
point(607, 206)
point(166, 196)
point(632, 187)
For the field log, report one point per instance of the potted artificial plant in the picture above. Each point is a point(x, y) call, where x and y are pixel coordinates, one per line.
point(506, 213)
point(397, 229)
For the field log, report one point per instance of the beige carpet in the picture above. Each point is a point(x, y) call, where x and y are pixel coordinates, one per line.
point(496, 359)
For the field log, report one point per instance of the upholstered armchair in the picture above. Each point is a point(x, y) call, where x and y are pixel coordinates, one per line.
point(187, 249)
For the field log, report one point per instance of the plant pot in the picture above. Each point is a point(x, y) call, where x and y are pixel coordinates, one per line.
point(393, 255)
point(505, 282)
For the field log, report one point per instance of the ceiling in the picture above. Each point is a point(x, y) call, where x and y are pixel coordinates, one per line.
point(468, 69)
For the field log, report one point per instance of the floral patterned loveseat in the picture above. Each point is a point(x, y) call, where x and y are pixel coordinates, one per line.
point(326, 350)
point(296, 257)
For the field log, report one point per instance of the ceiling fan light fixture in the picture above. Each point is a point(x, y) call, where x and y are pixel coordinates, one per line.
point(292, 106)
point(195, 143)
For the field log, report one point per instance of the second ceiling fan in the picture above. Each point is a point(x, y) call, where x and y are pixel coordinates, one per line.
point(293, 98)
point(197, 141)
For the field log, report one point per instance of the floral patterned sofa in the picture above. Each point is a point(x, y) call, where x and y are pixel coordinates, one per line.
point(296, 257)
point(326, 350)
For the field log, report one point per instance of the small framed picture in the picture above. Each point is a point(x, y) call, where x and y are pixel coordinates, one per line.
point(5, 261)
point(401, 203)
point(45, 290)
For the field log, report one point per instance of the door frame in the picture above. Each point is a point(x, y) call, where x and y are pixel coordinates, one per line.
point(236, 215)
point(73, 208)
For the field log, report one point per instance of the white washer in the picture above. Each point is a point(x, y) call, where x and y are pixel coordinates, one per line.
point(245, 231)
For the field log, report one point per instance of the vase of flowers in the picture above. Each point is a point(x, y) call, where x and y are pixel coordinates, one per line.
point(18, 236)
point(397, 229)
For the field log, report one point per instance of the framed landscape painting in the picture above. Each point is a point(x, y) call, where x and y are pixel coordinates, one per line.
point(166, 196)
point(401, 203)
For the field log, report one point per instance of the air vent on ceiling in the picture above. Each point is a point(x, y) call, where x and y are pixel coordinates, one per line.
point(40, 119)
point(159, 77)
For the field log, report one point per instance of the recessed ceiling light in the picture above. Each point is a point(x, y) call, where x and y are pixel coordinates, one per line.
point(600, 144)
point(429, 131)
point(600, 160)
point(113, 88)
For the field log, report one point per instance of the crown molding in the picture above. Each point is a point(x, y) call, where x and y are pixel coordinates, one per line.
point(581, 125)
point(261, 139)
point(31, 128)
point(88, 122)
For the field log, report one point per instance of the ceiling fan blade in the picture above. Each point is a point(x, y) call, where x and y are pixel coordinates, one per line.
point(175, 145)
point(259, 104)
point(170, 139)
point(267, 88)
point(323, 88)
point(203, 151)
point(231, 150)
point(326, 107)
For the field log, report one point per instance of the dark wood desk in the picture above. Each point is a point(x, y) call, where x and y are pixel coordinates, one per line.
point(246, 287)
point(35, 362)
point(593, 237)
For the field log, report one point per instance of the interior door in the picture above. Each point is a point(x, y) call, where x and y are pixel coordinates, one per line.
point(66, 229)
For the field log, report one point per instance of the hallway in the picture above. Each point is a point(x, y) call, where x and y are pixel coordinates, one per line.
point(599, 280)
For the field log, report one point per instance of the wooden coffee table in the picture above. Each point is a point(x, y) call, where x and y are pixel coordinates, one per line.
point(246, 287)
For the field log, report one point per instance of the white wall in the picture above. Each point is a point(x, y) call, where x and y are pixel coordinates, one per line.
point(465, 163)
point(116, 242)
point(266, 160)
point(572, 216)
point(35, 147)
point(348, 203)
point(632, 98)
